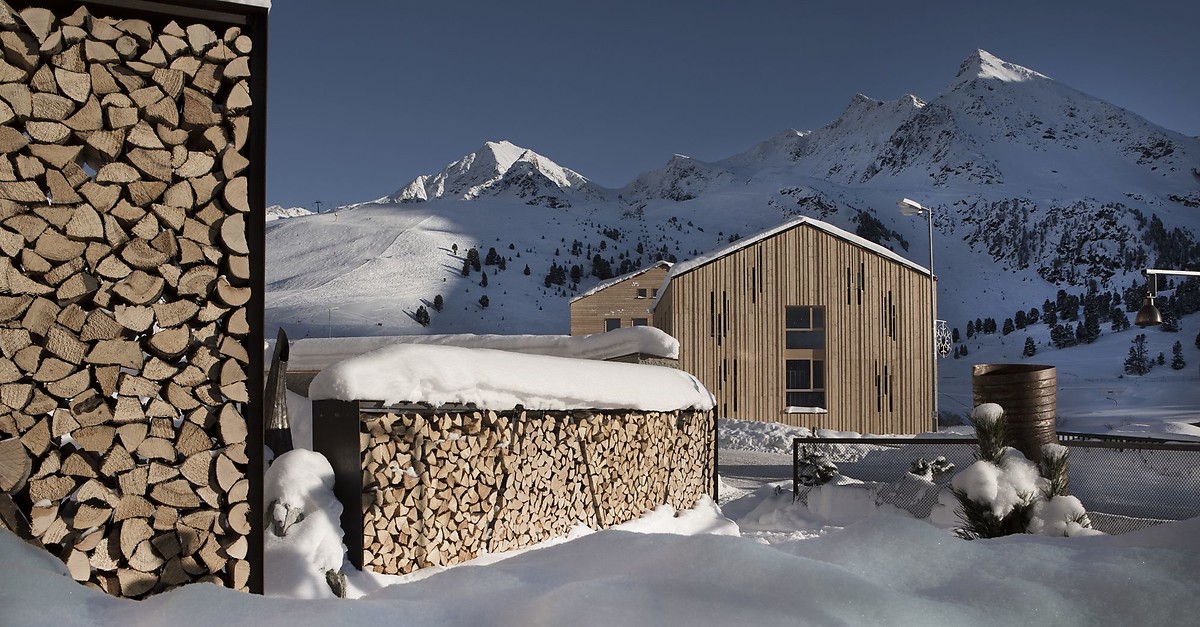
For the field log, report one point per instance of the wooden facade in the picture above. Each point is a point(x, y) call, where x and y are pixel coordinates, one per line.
point(727, 310)
point(624, 301)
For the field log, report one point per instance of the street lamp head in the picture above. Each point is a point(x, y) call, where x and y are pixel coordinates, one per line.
point(1148, 315)
point(911, 207)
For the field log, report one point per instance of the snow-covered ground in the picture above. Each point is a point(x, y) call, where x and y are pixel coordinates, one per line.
point(757, 558)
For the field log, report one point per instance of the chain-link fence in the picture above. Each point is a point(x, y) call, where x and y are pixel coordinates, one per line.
point(1124, 485)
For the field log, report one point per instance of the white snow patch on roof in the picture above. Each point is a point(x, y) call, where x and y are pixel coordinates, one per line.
point(317, 353)
point(495, 379)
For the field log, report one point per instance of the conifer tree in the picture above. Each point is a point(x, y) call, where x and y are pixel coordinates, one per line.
point(1138, 361)
point(483, 301)
point(1030, 347)
point(483, 279)
point(1177, 362)
point(438, 303)
point(422, 316)
point(1008, 326)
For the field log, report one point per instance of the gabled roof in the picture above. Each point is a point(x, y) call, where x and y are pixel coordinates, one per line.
point(684, 267)
point(624, 277)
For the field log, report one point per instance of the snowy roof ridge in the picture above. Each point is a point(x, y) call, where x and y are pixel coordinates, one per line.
point(500, 380)
point(318, 353)
point(624, 277)
point(684, 267)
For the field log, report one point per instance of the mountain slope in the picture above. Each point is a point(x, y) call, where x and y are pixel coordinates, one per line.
point(1036, 187)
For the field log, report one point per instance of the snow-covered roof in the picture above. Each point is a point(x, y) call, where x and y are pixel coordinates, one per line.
point(695, 262)
point(624, 277)
point(317, 353)
point(500, 380)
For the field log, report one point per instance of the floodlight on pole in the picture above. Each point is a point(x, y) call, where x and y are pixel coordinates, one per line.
point(1149, 315)
point(911, 207)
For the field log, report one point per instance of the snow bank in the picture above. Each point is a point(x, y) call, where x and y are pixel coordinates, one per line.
point(501, 380)
point(747, 435)
point(843, 501)
point(886, 570)
point(317, 353)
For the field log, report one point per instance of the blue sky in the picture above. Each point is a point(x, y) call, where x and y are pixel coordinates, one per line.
point(364, 96)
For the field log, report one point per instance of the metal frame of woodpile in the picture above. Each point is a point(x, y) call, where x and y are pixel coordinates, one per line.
point(132, 172)
point(426, 487)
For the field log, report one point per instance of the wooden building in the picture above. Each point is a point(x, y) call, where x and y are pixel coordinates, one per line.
point(808, 325)
point(620, 302)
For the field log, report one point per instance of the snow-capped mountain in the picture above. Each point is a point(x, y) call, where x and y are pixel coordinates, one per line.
point(275, 212)
point(1036, 188)
point(499, 168)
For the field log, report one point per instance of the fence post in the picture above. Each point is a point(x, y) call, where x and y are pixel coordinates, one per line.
point(335, 435)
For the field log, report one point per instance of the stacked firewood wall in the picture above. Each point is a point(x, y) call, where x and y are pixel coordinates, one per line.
point(442, 488)
point(124, 281)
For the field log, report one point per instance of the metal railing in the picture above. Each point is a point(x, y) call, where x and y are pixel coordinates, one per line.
point(1124, 485)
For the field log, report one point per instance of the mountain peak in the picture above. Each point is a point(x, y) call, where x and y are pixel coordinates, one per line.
point(494, 167)
point(983, 64)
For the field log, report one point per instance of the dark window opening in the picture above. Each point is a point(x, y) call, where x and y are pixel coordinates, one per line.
point(612, 324)
point(805, 327)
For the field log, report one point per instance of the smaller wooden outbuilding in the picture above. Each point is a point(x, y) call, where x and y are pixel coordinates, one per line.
point(620, 302)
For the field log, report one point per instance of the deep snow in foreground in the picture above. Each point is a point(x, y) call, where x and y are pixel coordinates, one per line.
point(760, 559)
point(886, 569)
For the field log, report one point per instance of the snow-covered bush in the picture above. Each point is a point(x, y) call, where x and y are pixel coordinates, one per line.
point(930, 470)
point(815, 467)
point(303, 540)
point(1054, 468)
point(1004, 493)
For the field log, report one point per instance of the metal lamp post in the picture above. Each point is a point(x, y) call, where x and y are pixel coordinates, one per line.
point(911, 208)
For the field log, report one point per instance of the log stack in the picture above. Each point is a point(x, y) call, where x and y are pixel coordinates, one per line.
point(123, 289)
point(442, 487)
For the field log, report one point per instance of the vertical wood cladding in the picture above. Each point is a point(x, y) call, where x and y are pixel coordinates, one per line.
point(130, 326)
point(620, 301)
point(877, 325)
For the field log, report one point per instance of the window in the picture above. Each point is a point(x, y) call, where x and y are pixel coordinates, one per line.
point(641, 292)
point(805, 327)
point(804, 356)
point(654, 292)
point(612, 324)
point(639, 322)
point(805, 383)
